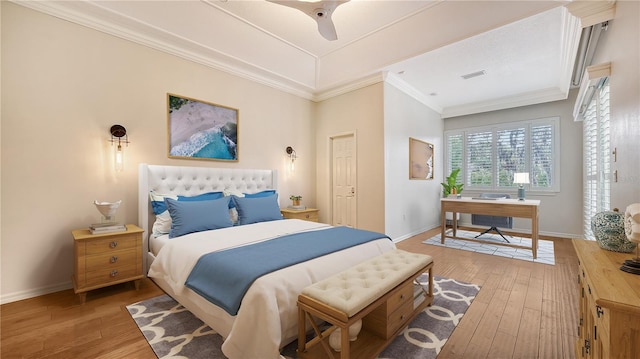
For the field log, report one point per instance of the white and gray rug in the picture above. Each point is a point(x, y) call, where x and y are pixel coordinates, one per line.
point(172, 331)
point(545, 248)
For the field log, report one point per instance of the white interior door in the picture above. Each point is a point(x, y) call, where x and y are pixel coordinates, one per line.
point(343, 180)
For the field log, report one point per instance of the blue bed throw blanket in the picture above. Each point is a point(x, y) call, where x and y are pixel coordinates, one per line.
point(224, 277)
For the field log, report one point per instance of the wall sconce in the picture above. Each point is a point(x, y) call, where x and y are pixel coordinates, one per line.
point(521, 179)
point(117, 134)
point(292, 156)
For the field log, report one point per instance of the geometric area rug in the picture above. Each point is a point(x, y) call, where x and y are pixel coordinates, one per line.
point(173, 332)
point(545, 253)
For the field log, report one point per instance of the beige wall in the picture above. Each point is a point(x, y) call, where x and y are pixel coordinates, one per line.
point(412, 206)
point(620, 45)
point(560, 213)
point(360, 112)
point(63, 87)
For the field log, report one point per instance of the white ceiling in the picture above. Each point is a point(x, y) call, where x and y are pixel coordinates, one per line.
point(526, 48)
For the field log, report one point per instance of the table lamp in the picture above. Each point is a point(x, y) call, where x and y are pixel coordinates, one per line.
point(521, 179)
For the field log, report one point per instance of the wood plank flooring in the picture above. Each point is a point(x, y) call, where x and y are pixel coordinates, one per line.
point(523, 310)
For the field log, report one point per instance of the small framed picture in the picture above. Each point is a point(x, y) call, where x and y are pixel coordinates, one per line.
point(201, 130)
point(420, 159)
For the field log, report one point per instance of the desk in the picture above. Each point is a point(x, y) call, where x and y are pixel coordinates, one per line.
point(498, 207)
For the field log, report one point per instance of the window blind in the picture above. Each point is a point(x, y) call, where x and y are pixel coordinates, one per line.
point(512, 155)
point(455, 157)
point(596, 157)
point(489, 156)
point(479, 159)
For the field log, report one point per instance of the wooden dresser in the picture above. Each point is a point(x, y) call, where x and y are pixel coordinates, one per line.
point(609, 317)
point(106, 259)
point(309, 214)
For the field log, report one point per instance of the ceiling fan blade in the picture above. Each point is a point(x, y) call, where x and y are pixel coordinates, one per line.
point(320, 11)
point(326, 27)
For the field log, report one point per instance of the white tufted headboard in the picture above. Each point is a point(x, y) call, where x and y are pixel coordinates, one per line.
point(190, 181)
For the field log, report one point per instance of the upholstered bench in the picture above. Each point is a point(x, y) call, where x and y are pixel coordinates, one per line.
point(382, 292)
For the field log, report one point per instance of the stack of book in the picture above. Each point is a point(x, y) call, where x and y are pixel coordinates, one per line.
point(101, 228)
point(419, 295)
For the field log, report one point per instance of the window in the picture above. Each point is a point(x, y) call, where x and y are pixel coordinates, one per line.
point(596, 162)
point(489, 156)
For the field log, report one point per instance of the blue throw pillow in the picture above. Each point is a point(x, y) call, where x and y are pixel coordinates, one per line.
point(158, 205)
point(265, 193)
point(257, 209)
point(202, 197)
point(196, 216)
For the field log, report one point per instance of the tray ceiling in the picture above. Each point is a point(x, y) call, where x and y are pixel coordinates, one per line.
point(525, 49)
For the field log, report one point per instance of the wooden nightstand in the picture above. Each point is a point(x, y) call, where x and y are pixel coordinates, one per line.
point(106, 259)
point(309, 214)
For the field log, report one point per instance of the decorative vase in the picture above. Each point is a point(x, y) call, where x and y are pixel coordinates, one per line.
point(335, 339)
point(608, 228)
point(354, 330)
point(296, 202)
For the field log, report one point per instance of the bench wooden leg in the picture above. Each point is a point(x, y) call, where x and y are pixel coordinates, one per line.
point(431, 282)
point(302, 335)
point(345, 350)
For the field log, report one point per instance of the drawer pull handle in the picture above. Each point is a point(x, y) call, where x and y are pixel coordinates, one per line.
point(587, 345)
point(402, 317)
point(114, 272)
point(113, 244)
point(599, 311)
point(401, 296)
point(114, 259)
point(307, 216)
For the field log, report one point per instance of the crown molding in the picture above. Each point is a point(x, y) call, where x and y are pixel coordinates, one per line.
point(403, 86)
point(526, 99)
point(90, 15)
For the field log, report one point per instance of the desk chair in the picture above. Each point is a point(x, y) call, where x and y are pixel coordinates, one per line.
point(494, 222)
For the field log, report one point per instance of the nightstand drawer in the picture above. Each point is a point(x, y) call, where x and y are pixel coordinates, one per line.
point(111, 244)
point(113, 259)
point(309, 214)
point(113, 274)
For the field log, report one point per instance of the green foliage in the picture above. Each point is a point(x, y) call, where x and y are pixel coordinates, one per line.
point(295, 198)
point(176, 102)
point(451, 182)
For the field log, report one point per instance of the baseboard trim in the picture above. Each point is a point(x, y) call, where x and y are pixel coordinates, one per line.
point(31, 293)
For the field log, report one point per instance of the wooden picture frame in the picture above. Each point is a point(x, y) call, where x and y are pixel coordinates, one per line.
point(200, 130)
point(420, 160)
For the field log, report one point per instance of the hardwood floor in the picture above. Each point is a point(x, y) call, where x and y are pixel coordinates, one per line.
point(523, 310)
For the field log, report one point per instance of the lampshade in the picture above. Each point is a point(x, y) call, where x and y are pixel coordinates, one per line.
point(521, 178)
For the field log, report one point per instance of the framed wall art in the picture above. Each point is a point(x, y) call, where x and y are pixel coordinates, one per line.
point(201, 130)
point(420, 159)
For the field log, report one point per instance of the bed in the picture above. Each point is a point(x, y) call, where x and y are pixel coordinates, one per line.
point(266, 320)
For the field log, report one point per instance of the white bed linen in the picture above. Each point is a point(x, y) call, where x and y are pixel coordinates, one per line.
point(267, 319)
point(157, 242)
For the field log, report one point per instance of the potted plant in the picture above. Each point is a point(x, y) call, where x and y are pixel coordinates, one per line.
point(295, 199)
point(450, 186)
